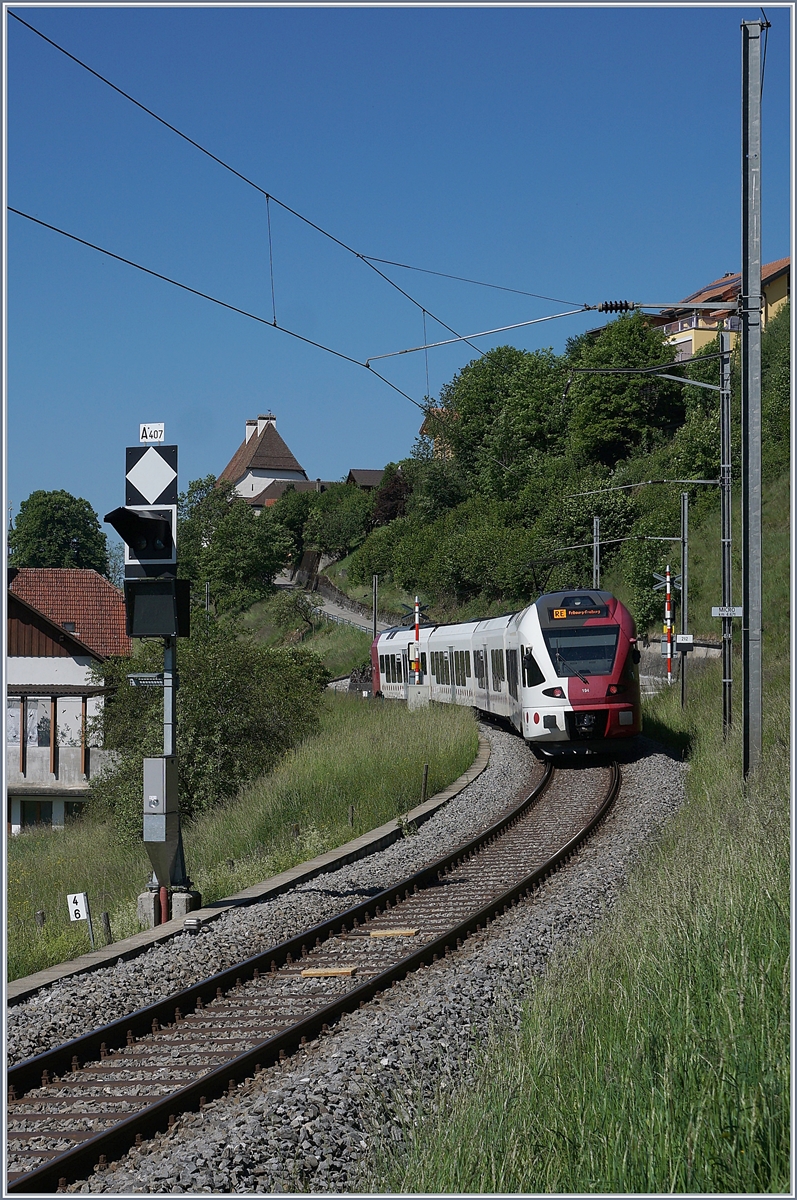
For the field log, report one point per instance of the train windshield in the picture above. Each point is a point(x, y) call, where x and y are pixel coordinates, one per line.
point(588, 650)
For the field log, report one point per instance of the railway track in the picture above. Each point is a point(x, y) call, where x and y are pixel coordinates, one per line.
point(83, 1104)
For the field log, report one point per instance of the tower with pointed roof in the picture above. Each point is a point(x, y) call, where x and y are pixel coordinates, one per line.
point(262, 459)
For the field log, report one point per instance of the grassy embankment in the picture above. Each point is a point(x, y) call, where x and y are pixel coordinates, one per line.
point(370, 756)
point(341, 648)
point(655, 1058)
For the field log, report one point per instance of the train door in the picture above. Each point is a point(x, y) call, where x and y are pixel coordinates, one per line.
point(453, 675)
point(486, 675)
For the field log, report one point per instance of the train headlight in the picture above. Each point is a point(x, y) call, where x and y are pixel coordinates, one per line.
point(557, 692)
point(615, 689)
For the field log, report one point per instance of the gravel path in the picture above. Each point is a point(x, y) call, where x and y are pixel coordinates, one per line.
point(308, 1124)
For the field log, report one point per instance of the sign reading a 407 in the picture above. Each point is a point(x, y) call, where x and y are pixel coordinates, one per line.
point(155, 431)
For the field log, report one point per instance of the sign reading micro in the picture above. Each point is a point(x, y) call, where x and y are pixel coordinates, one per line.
point(569, 614)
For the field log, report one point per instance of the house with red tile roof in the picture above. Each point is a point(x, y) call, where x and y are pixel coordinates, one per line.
point(82, 602)
point(690, 331)
point(60, 622)
point(262, 459)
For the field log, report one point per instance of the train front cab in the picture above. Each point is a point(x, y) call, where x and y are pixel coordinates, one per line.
point(579, 672)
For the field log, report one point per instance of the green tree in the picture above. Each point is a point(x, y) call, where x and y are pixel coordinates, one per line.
point(339, 519)
point(291, 511)
point(776, 389)
point(56, 529)
point(240, 706)
point(616, 415)
point(222, 541)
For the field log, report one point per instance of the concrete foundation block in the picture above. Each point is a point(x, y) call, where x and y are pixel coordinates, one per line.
point(417, 697)
point(148, 909)
point(185, 902)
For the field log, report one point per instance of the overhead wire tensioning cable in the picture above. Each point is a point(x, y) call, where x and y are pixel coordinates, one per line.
point(463, 279)
point(245, 179)
point(214, 300)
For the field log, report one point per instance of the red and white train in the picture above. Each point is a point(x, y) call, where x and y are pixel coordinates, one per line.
point(564, 671)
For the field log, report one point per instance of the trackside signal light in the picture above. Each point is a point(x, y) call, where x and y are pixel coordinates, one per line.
point(616, 306)
point(147, 533)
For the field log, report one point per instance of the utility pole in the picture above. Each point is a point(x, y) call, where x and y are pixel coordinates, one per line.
point(725, 532)
point(375, 591)
point(750, 300)
point(684, 588)
point(596, 552)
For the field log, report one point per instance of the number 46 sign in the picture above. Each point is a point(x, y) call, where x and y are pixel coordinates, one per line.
point(79, 911)
point(78, 906)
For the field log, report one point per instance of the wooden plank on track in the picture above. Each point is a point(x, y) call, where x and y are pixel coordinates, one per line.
point(321, 972)
point(383, 933)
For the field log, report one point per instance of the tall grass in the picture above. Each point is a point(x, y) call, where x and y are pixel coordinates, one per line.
point(367, 755)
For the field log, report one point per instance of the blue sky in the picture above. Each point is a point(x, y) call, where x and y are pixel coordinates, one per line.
point(582, 153)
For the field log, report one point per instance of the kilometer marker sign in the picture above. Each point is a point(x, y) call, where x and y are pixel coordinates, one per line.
point(79, 911)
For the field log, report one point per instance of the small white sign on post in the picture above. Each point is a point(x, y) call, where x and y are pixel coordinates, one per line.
point(79, 911)
point(78, 906)
point(155, 431)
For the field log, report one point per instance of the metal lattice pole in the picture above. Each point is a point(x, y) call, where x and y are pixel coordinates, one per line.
point(684, 588)
point(726, 498)
point(751, 393)
point(596, 552)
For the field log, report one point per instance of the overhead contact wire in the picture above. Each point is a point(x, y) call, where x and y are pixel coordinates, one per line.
point(238, 174)
point(214, 300)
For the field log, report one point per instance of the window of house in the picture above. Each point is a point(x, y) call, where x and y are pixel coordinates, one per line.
point(36, 812)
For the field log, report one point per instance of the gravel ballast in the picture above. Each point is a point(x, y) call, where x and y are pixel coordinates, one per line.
point(81, 1003)
point(308, 1124)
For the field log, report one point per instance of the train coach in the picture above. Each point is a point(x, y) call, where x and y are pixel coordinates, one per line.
point(564, 671)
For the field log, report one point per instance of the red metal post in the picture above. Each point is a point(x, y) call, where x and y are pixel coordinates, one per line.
point(668, 620)
point(164, 899)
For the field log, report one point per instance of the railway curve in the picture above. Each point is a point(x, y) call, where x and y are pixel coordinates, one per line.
point(334, 967)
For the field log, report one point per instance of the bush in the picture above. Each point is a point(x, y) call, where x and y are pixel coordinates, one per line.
point(240, 706)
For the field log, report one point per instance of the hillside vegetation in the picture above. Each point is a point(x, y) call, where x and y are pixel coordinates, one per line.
point(481, 516)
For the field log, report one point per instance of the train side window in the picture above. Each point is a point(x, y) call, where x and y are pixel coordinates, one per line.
point(398, 670)
point(448, 668)
point(468, 671)
point(512, 672)
point(532, 675)
point(381, 664)
point(423, 662)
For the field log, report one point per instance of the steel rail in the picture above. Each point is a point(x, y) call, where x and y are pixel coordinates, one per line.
point(158, 1115)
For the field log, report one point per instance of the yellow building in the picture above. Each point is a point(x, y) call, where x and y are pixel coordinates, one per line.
point(690, 331)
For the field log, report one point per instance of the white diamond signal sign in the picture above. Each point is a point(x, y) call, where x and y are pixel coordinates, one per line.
point(151, 476)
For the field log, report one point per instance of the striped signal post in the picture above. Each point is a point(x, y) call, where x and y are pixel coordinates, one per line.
point(417, 639)
point(668, 619)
